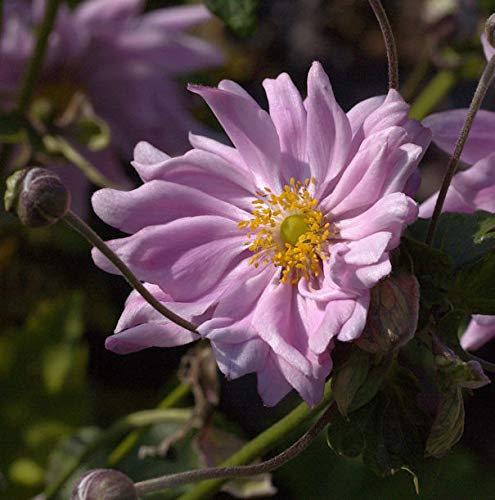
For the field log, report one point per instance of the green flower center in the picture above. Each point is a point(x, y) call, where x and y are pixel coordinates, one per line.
point(292, 227)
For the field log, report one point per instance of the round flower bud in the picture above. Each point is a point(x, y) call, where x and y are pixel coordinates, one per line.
point(37, 196)
point(104, 484)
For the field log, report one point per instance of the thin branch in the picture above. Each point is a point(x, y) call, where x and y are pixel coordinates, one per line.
point(388, 38)
point(161, 483)
point(478, 97)
point(81, 227)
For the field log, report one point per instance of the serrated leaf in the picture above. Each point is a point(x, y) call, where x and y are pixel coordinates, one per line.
point(238, 15)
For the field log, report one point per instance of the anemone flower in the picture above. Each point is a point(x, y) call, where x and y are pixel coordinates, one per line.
point(271, 246)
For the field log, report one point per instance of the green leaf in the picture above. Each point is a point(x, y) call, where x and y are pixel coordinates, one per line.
point(433, 269)
point(475, 286)
point(357, 377)
point(344, 436)
point(465, 237)
point(448, 425)
point(238, 15)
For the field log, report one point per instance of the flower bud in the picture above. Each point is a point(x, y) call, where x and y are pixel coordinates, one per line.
point(37, 196)
point(393, 314)
point(104, 484)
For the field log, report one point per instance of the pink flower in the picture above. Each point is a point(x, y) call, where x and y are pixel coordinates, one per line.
point(272, 246)
point(122, 60)
point(472, 189)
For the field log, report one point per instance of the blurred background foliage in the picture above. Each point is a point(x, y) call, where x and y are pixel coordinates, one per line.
point(60, 386)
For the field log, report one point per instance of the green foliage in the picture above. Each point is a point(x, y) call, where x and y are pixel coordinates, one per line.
point(389, 432)
point(12, 128)
point(238, 15)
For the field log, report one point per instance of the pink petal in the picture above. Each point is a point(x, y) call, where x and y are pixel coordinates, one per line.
point(344, 319)
point(227, 153)
point(141, 326)
point(489, 49)
point(250, 129)
point(272, 385)
point(99, 14)
point(447, 125)
point(367, 176)
point(176, 18)
point(179, 256)
point(289, 117)
point(480, 330)
point(149, 161)
point(391, 214)
point(470, 190)
point(158, 202)
point(329, 131)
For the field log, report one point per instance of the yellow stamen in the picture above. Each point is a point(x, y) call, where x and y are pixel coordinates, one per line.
point(289, 231)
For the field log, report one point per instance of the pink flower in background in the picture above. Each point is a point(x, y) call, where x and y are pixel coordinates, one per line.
point(122, 60)
point(272, 246)
point(472, 189)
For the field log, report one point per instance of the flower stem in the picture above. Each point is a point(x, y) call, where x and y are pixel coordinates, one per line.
point(161, 483)
point(133, 421)
point(36, 61)
point(81, 227)
point(388, 37)
point(481, 90)
point(260, 445)
point(129, 442)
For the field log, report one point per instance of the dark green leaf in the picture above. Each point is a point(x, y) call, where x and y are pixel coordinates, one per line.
point(433, 269)
point(92, 133)
point(345, 437)
point(448, 426)
point(238, 15)
point(475, 286)
point(465, 237)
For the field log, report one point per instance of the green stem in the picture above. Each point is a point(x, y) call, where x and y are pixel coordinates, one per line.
point(132, 421)
point(260, 445)
point(84, 230)
point(36, 61)
point(432, 94)
point(125, 447)
point(180, 478)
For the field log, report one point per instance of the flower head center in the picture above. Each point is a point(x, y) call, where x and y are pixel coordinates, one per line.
point(292, 227)
point(289, 231)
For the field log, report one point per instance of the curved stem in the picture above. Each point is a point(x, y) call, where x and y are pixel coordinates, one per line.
point(160, 483)
point(133, 421)
point(81, 227)
point(388, 38)
point(481, 90)
point(36, 61)
point(261, 444)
